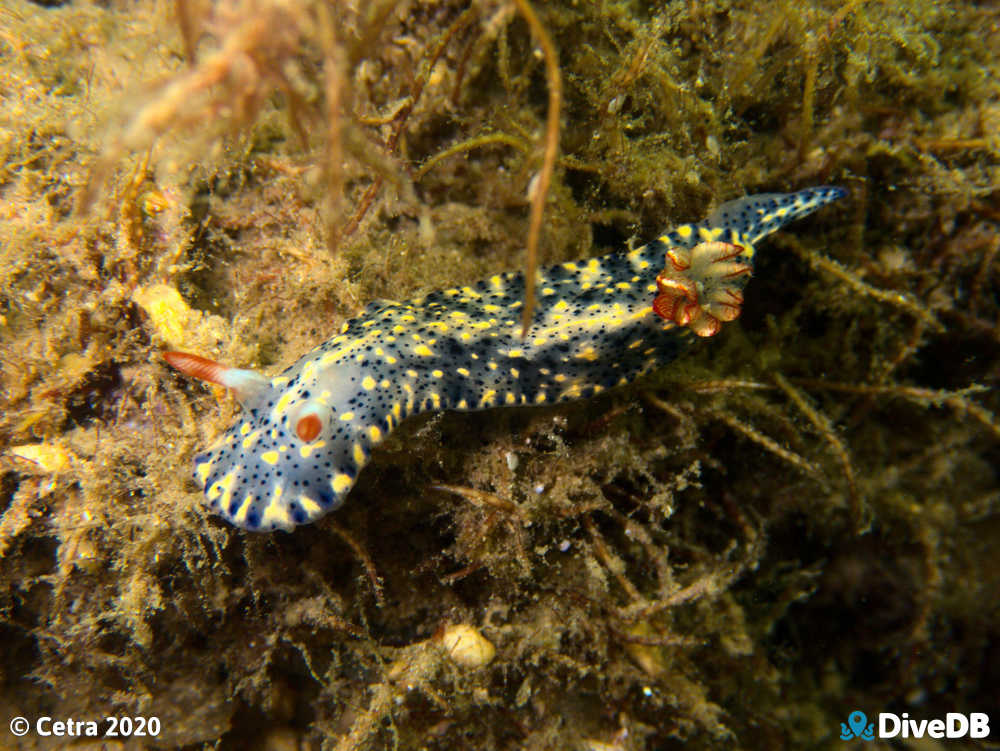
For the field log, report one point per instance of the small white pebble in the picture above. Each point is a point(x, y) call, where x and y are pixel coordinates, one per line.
point(467, 647)
point(533, 186)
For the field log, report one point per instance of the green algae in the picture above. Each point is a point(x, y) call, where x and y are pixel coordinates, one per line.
point(795, 520)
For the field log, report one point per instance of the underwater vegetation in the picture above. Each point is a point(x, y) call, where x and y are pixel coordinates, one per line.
point(795, 519)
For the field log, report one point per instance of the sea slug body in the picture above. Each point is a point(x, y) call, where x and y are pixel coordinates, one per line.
point(306, 433)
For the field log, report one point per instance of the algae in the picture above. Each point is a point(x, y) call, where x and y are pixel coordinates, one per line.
point(796, 519)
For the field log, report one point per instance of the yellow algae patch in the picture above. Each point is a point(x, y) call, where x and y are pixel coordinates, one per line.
point(47, 457)
point(175, 322)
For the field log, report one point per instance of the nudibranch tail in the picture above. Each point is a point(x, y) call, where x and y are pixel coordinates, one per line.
point(756, 216)
point(306, 434)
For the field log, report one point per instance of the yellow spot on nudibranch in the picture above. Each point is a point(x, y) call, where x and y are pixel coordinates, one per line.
point(359, 454)
point(277, 514)
point(308, 448)
point(283, 402)
point(347, 416)
point(423, 350)
point(368, 383)
point(270, 457)
point(241, 513)
point(341, 483)
point(224, 486)
point(310, 506)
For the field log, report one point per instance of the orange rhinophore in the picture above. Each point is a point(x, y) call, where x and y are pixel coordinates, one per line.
point(308, 427)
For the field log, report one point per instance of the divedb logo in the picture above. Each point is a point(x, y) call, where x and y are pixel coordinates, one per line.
point(954, 725)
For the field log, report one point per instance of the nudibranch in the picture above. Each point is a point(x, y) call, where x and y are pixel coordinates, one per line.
point(305, 434)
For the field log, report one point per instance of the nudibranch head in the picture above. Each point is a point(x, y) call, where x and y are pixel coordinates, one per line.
point(701, 287)
point(282, 464)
